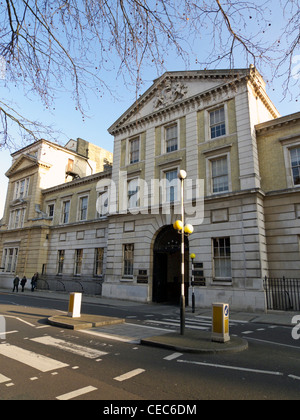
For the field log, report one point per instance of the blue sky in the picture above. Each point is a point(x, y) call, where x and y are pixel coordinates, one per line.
point(104, 112)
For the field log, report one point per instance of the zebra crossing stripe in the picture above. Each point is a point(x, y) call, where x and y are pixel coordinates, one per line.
point(29, 358)
point(70, 347)
point(4, 379)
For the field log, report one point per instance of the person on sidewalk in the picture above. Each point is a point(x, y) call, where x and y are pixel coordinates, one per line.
point(34, 280)
point(16, 283)
point(23, 282)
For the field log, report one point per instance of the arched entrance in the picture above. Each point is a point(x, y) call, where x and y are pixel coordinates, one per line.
point(167, 266)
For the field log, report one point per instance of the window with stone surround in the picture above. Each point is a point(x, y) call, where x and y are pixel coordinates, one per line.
point(98, 265)
point(219, 174)
point(295, 162)
point(217, 123)
point(61, 259)
point(171, 138)
point(78, 261)
point(128, 258)
point(134, 150)
point(9, 260)
point(222, 259)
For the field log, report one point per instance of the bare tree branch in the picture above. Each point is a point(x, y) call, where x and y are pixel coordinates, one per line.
point(52, 46)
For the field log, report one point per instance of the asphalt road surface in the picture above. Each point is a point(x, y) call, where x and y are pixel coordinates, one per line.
point(41, 362)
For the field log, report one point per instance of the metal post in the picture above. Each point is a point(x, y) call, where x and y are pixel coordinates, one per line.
point(182, 298)
point(193, 288)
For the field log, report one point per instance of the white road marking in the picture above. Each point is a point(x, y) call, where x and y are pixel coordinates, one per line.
point(76, 393)
point(175, 323)
point(4, 379)
point(2, 334)
point(147, 326)
point(273, 342)
point(129, 375)
point(266, 372)
point(70, 347)
point(294, 377)
point(173, 356)
point(21, 320)
point(108, 336)
point(29, 358)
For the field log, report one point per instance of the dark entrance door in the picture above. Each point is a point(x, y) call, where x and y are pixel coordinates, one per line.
point(167, 267)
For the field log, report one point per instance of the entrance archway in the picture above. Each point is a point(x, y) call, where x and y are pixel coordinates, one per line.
point(167, 266)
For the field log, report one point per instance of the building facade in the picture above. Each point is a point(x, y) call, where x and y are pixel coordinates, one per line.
point(212, 125)
point(50, 219)
point(112, 229)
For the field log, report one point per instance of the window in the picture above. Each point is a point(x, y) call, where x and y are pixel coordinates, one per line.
point(128, 251)
point(134, 150)
point(295, 160)
point(219, 169)
point(9, 260)
point(217, 123)
point(222, 259)
point(21, 189)
point(51, 210)
point(83, 208)
point(171, 185)
point(78, 261)
point(16, 219)
point(171, 138)
point(102, 204)
point(132, 193)
point(98, 267)
point(66, 211)
point(61, 258)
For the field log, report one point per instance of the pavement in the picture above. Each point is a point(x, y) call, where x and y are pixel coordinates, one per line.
point(124, 329)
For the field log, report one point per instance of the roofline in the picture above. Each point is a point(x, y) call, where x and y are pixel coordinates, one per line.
point(86, 179)
point(232, 74)
point(52, 144)
point(291, 118)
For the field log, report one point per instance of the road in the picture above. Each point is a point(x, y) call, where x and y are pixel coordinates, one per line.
point(41, 362)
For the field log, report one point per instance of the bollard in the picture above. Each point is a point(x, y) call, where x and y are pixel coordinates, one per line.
point(2, 328)
point(220, 323)
point(75, 305)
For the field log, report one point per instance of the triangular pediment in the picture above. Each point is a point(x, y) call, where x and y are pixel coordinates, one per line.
point(174, 88)
point(21, 164)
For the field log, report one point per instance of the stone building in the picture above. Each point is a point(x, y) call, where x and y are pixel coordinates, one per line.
point(51, 191)
point(212, 124)
point(111, 229)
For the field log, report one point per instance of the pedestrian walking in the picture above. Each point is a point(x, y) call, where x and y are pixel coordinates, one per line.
point(16, 283)
point(34, 280)
point(23, 282)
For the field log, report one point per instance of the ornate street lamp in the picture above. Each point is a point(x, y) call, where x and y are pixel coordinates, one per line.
point(182, 230)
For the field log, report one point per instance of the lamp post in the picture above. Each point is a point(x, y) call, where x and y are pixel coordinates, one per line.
point(182, 230)
point(193, 256)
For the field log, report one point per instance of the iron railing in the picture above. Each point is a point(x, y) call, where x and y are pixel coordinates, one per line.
point(63, 285)
point(282, 294)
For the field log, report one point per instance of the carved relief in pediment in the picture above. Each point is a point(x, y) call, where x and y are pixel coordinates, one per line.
point(169, 93)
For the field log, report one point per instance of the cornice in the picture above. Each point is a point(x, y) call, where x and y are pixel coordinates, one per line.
point(80, 181)
point(278, 123)
point(231, 80)
point(193, 101)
